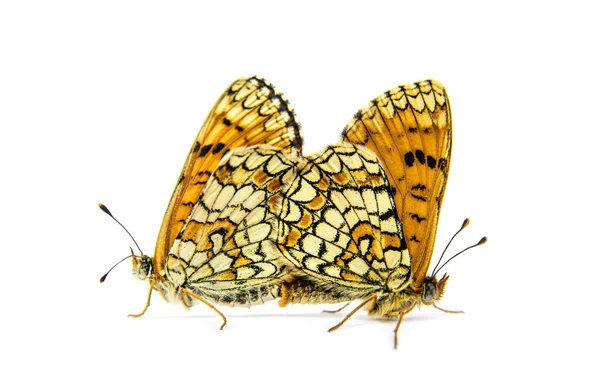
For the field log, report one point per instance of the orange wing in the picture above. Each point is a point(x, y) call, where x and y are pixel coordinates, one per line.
point(249, 112)
point(410, 129)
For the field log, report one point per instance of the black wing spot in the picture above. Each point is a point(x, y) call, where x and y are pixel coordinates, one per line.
point(420, 198)
point(218, 148)
point(431, 163)
point(196, 147)
point(226, 121)
point(416, 217)
point(420, 156)
point(204, 173)
point(412, 130)
point(205, 149)
point(409, 159)
point(238, 128)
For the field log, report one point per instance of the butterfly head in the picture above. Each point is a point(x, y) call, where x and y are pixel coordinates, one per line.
point(141, 266)
point(433, 289)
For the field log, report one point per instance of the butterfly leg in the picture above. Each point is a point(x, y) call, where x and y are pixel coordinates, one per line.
point(352, 313)
point(147, 304)
point(200, 299)
point(337, 310)
point(447, 311)
point(396, 330)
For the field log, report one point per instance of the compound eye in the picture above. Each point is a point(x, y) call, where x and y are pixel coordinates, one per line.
point(144, 269)
point(429, 291)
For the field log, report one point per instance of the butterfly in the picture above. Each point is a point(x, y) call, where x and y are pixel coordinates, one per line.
point(409, 128)
point(406, 132)
point(213, 244)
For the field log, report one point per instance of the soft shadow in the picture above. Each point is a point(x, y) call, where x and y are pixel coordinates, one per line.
point(356, 320)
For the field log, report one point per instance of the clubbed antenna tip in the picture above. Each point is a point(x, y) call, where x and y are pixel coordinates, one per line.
point(104, 209)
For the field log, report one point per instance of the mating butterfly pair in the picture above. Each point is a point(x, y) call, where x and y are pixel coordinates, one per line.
point(251, 219)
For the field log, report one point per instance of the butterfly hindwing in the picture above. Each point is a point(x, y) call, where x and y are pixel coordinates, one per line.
point(249, 112)
point(409, 129)
point(338, 223)
point(226, 249)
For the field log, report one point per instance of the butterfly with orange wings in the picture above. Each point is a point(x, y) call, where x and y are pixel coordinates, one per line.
point(360, 219)
point(216, 241)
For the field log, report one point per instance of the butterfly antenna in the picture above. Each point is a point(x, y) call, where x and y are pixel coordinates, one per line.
point(105, 210)
point(464, 225)
point(482, 241)
point(113, 267)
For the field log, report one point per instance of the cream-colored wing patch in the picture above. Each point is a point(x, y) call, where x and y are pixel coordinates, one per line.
point(250, 112)
point(409, 129)
point(338, 223)
point(226, 249)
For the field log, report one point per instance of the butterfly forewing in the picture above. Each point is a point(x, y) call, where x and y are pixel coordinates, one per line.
point(338, 223)
point(409, 129)
point(249, 112)
point(225, 250)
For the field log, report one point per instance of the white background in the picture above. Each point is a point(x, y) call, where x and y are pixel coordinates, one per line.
point(100, 103)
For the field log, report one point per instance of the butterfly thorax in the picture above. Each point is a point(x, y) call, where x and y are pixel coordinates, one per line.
point(392, 304)
point(144, 269)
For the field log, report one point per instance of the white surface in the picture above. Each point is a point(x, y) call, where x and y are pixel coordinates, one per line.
point(100, 103)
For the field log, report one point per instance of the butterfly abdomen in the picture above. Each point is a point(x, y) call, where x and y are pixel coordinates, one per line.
point(243, 297)
point(303, 290)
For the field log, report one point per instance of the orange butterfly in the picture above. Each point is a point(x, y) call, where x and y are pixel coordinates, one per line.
point(408, 128)
point(211, 239)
